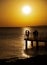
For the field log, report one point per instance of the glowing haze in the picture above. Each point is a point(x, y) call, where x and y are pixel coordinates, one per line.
point(26, 9)
point(16, 13)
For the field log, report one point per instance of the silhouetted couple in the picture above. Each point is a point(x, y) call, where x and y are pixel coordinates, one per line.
point(35, 34)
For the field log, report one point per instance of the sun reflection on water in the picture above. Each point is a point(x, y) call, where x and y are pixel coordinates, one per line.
point(25, 55)
point(27, 28)
point(29, 43)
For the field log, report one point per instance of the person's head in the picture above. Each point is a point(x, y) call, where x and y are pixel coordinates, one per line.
point(35, 33)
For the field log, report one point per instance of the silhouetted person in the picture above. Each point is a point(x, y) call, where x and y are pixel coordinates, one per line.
point(35, 34)
point(27, 33)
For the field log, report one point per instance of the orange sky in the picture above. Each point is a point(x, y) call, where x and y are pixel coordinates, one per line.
point(11, 13)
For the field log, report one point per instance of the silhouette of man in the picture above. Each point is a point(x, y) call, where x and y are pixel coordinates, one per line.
point(35, 34)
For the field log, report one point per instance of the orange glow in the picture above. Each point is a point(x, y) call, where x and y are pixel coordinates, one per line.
point(11, 13)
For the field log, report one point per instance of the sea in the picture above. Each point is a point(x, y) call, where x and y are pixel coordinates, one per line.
point(12, 43)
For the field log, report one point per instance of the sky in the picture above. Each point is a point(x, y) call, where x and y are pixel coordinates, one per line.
point(11, 14)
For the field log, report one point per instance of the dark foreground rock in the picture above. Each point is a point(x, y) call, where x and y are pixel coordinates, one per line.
point(40, 59)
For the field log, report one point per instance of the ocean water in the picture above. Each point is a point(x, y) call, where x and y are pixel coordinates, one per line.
point(12, 42)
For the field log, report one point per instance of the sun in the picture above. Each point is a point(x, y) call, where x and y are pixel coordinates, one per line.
point(26, 9)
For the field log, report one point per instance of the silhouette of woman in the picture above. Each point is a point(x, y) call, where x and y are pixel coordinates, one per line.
point(27, 33)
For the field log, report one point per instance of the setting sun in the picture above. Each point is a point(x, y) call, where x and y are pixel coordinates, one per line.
point(20, 13)
point(26, 9)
